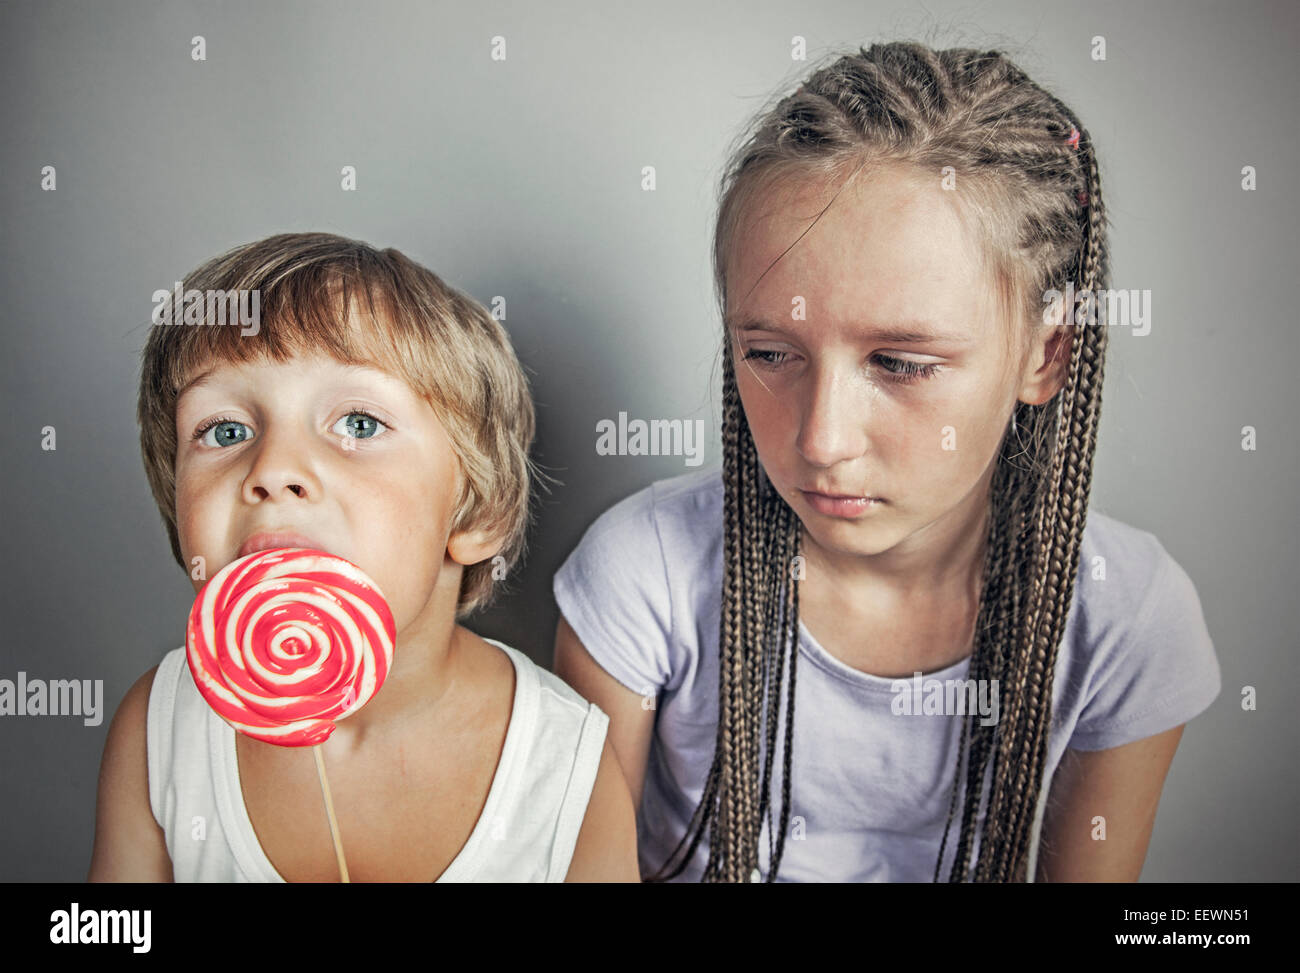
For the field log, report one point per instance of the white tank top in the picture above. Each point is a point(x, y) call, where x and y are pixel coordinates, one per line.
point(526, 832)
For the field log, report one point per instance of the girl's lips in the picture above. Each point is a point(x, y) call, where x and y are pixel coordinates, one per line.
point(833, 506)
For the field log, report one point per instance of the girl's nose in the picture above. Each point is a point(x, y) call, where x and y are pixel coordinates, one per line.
point(833, 421)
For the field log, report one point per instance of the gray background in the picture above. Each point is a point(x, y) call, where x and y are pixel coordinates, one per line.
point(522, 179)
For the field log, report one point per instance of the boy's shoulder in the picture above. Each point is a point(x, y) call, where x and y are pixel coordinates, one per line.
point(556, 695)
point(163, 683)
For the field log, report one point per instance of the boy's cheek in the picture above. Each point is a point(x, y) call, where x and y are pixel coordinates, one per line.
point(199, 564)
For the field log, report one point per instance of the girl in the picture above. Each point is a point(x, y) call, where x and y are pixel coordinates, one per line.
point(900, 534)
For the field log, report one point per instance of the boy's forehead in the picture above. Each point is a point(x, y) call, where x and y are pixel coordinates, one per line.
point(237, 372)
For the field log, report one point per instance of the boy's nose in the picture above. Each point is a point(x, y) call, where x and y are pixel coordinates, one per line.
point(280, 470)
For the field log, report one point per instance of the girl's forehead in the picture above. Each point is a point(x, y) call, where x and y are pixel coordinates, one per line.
point(890, 239)
point(874, 207)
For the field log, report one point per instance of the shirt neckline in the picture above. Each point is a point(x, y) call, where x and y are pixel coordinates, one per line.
point(821, 658)
point(251, 857)
point(809, 647)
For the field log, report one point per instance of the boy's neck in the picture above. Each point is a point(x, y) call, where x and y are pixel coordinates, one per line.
point(426, 659)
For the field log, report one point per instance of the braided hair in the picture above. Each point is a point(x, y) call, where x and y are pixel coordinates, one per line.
point(1029, 167)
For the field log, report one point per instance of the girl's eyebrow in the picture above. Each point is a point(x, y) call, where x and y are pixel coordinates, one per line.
point(907, 333)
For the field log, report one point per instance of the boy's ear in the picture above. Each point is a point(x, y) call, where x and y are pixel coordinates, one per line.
point(472, 546)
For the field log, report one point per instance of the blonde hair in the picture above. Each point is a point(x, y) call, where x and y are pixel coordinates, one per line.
point(1027, 174)
point(444, 344)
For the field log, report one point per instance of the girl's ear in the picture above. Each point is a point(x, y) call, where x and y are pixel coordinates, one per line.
point(1046, 367)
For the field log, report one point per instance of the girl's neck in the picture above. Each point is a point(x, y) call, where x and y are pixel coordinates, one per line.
point(947, 555)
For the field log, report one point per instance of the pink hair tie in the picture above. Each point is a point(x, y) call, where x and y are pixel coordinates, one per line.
point(1073, 142)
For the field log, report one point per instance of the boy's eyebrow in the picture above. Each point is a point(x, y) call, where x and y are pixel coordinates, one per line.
point(195, 381)
point(907, 333)
point(373, 372)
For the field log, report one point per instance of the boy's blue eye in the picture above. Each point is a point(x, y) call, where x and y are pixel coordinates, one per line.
point(226, 432)
point(366, 426)
point(231, 432)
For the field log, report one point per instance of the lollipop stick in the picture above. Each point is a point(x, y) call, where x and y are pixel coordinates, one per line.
point(329, 811)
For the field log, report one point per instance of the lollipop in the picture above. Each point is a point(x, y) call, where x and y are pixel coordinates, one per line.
point(283, 643)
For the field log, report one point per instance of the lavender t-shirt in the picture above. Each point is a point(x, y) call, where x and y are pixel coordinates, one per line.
point(870, 784)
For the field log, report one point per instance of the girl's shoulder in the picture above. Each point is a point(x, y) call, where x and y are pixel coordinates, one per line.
point(664, 535)
point(1125, 575)
point(688, 504)
point(1137, 657)
point(643, 575)
point(1120, 538)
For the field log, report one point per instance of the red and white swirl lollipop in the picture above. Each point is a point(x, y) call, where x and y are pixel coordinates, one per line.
point(284, 643)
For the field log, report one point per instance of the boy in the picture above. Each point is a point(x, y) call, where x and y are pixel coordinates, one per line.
point(374, 413)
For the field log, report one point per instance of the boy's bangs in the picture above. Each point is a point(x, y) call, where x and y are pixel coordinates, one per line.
point(298, 317)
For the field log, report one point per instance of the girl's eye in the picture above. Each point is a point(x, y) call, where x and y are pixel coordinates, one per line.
point(902, 370)
point(226, 432)
point(906, 371)
point(772, 358)
point(366, 426)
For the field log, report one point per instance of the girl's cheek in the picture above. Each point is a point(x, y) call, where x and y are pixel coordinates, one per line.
point(773, 413)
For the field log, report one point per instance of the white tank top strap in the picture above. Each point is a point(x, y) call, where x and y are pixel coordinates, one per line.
point(527, 831)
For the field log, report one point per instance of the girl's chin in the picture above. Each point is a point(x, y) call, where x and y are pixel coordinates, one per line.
point(848, 538)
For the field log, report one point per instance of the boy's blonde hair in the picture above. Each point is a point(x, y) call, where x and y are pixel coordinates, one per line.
point(444, 344)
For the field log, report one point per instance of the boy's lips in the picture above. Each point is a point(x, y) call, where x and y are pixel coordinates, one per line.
point(269, 540)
